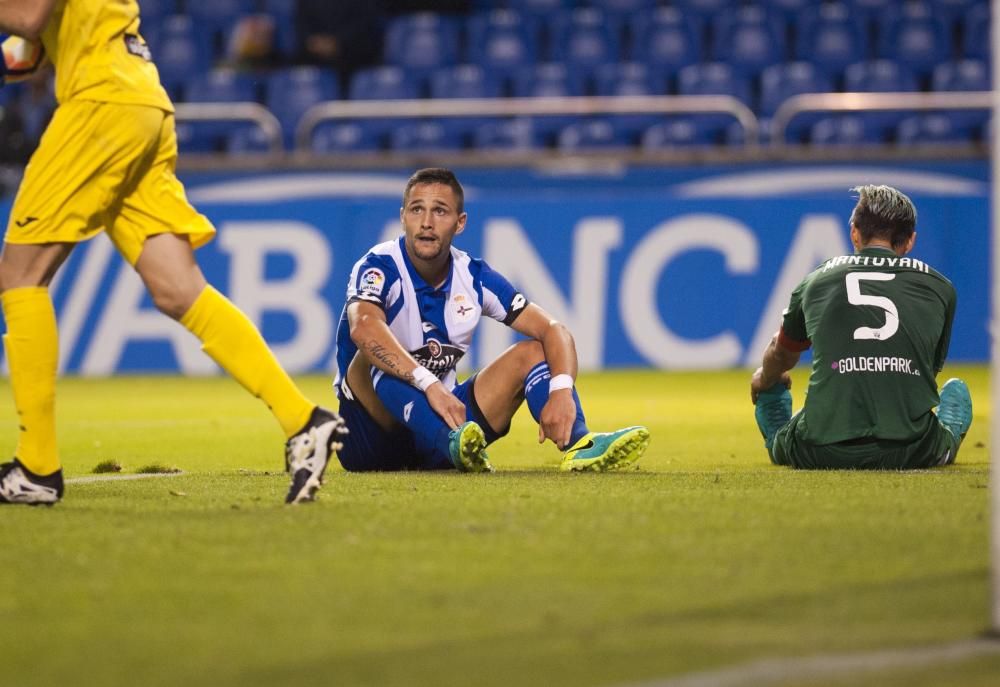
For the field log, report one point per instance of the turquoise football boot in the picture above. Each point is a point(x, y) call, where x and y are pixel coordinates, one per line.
point(467, 448)
point(955, 411)
point(773, 411)
point(601, 452)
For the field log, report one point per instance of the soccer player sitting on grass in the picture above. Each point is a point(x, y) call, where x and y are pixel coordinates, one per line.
point(106, 163)
point(413, 304)
point(879, 324)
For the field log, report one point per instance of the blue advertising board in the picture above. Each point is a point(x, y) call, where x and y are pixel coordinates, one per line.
point(671, 268)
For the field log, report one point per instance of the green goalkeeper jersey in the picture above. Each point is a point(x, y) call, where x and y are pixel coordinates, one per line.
point(879, 326)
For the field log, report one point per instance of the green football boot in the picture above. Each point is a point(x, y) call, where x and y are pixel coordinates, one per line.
point(467, 448)
point(601, 452)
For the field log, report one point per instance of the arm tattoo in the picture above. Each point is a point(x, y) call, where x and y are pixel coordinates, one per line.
point(389, 360)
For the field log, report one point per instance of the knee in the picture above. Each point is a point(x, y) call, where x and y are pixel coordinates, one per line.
point(173, 300)
point(529, 353)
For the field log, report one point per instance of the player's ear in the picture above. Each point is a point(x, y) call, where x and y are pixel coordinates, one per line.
point(461, 222)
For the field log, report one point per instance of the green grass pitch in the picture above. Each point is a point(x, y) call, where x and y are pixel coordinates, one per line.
point(706, 557)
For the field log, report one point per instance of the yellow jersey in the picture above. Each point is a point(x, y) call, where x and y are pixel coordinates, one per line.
point(99, 55)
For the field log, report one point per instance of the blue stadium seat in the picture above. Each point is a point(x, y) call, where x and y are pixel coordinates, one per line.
point(680, 132)
point(196, 137)
point(976, 33)
point(789, 10)
point(216, 17)
point(385, 82)
point(780, 82)
point(516, 134)
point(424, 136)
point(421, 42)
point(831, 37)
point(665, 38)
point(292, 91)
point(592, 134)
point(548, 80)
point(913, 36)
point(179, 51)
point(154, 10)
point(712, 78)
point(247, 140)
point(343, 137)
point(952, 12)
point(545, 10)
point(630, 78)
point(963, 75)
point(465, 81)
point(583, 38)
point(748, 40)
point(705, 9)
point(879, 76)
point(222, 86)
point(502, 41)
point(842, 130)
point(931, 128)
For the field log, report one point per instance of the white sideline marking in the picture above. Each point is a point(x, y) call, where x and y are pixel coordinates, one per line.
point(780, 670)
point(121, 478)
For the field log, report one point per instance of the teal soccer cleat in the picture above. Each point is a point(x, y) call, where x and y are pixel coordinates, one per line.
point(467, 448)
point(601, 452)
point(955, 411)
point(773, 411)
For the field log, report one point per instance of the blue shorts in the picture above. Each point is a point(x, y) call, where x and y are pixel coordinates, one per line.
point(369, 448)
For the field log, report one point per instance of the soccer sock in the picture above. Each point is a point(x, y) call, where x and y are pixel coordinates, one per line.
point(231, 340)
point(536, 393)
point(32, 344)
point(410, 407)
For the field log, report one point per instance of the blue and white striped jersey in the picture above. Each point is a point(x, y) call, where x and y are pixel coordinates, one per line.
point(434, 324)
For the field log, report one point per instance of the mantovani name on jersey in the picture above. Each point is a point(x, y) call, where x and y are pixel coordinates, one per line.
point(876, 261)
point(875, 363)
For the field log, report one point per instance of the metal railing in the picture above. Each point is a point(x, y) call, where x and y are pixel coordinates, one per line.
point(513, 107)
point(872, 102)
point(254, 113)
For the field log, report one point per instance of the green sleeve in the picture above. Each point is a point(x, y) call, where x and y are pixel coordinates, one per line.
point(793, 322)
point(942, 348)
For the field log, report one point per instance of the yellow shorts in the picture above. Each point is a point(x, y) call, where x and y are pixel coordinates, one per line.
point(105, 167)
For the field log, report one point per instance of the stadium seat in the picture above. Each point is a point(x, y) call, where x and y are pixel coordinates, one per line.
point(963, 75)
point(830, 37)
point(630, 78)
point(424, 136)
point(976, 33)
point(386, 82)
point(842, 130)
point(502, 41)
point(544, 10)
point(780, 82)
point(215, 17)
point(343, 137)
point(583, 39)
point(549, 80)
point(952, 12)
point(664, 38)
point(913, 36)
point(879, 76)
point(680, 132)
point(421, 42)
point(788, 10)
point(465, 81)
point(516, 134)
point(247, 140)
point(196, 137)
point(748, 40)
point(592, 134)
point(151, 11)
point(222, 86)
point(931, 128)
point(712, 78)
point(705, 9)
point(179, 51)
point(292, 91)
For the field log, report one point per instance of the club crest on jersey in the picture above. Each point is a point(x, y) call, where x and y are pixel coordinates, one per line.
point(371, 282)
point(463, 307)
point(434, 348)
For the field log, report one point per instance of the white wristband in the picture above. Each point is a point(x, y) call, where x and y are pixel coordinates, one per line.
point(558, 382)
point(423, 378)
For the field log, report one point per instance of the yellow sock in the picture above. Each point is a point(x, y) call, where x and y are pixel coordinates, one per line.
point(231, 340)
point(32, 344)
